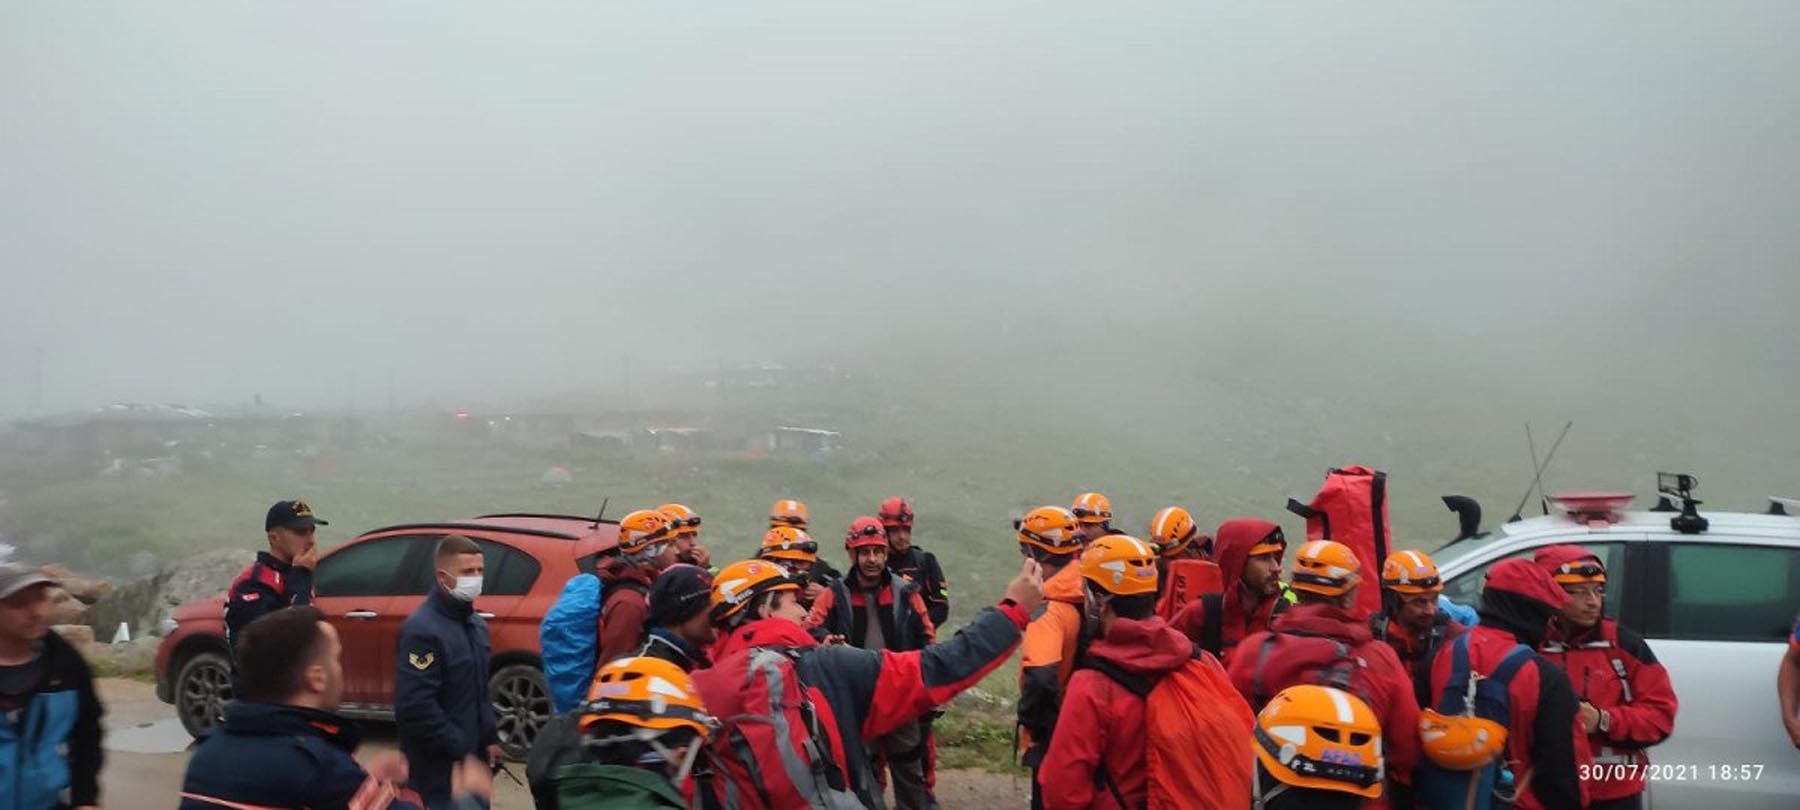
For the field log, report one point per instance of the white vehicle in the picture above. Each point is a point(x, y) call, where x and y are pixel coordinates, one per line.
point(1715, 594)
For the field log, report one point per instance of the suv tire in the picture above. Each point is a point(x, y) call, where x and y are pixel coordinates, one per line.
point(521, 698)
point(202, 689)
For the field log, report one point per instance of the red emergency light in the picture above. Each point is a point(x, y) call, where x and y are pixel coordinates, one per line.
point(1593, 508)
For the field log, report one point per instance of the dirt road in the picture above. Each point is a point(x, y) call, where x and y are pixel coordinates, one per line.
point(147, 754)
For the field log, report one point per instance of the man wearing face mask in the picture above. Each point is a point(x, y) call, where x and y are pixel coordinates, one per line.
point(440, 685)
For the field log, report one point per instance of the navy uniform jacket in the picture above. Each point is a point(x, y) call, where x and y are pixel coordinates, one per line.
point(267, 755)
point(440, 692)
point(266, 586)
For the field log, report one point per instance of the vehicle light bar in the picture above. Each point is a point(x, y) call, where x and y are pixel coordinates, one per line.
point(1593, 507)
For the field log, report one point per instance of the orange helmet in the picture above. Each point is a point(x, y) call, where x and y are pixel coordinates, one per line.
point(1571, 565)
point(1092, 507)
point(896, 512)
point(1461, 742)
point(1321, 738)
point(1172, 530)
point(1120, 565)
point(865, 531)
point(1275, 543)
point(648, 693)
point(787, 512)
point(643, 530)
point(1411, 573)
point(788, 543)
point(1051, 528)
point(1326, 568)
point(685, 520)
point(740, 583)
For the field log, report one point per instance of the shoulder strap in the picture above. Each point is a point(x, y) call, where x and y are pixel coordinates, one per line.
point(1509, 666)
point(1212, 623)
point(1138, 685)
point(1454, 697)
point(1106, 781)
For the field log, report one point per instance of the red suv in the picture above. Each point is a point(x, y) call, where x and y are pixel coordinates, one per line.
point(368, 586)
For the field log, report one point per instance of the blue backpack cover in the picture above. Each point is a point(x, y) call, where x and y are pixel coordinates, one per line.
point(569, 641)
point(1488, 786)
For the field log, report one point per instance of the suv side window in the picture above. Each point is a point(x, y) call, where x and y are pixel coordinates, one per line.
point(507, 570)
point(373, 567)
point(1731, 593)
point(1465, 589)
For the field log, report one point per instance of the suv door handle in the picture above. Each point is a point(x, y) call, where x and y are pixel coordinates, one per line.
point(361, 614)
point(485, 615)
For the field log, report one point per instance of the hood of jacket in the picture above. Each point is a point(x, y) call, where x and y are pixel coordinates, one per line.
point(1145, 647)
point(1065, 585)
point(1232, 548)
point(1329, 621)
point(616, 569)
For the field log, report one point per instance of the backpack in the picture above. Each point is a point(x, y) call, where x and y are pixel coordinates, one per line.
point(1185, 581)
point(557, 744)
point(1435, 785)
point(1197, 737)
point(569, 640)
point(1212, 625)
point(1351, 508)
point(774, 748)
point(1332, 662)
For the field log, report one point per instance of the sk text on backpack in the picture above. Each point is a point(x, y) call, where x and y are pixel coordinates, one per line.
point(1185, 581)
point(1491, 785)
point(776, 746)
point(1197, 737)
point(1351, 508)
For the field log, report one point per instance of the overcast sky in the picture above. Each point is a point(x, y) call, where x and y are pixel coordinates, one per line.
point(202, 202)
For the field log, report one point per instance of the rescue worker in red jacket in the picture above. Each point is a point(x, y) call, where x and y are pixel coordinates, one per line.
point(866, 693)
point(1249, 557)
point(1544, 735)
point(647, 546)
point(885, 611)
point(1048, 535)
point(1627, 703)
point(912, 562)
point(1409, 620)
point(687, 535)
point(1322, 641)
point(1097, 760)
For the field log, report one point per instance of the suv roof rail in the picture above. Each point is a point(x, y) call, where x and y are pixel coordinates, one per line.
point(582, 518)
point(477, 527)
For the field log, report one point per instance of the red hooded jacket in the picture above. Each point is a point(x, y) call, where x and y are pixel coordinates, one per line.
point(1232, 550)
point(1613, 668)
point(1378, 676)
point(1102, 724)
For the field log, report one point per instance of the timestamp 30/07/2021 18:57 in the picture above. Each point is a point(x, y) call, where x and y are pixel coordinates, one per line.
point(1673, 772)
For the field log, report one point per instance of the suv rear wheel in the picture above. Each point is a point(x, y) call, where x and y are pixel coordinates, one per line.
point(521, 698)
point(201, 691)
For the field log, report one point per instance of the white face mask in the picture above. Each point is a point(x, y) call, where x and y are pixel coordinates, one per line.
point(467, 588)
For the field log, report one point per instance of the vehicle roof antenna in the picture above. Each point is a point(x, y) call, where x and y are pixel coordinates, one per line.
point(602, 515)
point(1537, 472)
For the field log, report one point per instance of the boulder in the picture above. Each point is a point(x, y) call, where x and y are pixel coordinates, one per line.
point(87, 590)
point(145, 602)
point(65, 608)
